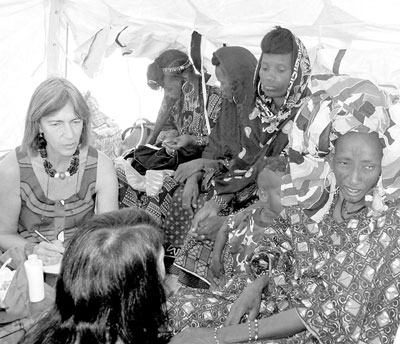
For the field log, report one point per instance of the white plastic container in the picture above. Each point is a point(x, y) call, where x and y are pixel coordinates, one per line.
point(34, 273)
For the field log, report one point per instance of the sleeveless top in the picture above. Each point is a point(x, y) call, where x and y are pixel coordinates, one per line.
point(54, 219)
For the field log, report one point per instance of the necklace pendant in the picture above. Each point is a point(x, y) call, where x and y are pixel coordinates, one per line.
point(62, 175)
point(57, 175)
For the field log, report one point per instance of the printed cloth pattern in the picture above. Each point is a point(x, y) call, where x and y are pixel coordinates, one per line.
point(341, 278)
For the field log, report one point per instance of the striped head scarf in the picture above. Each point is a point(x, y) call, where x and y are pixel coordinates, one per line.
point(340, 104)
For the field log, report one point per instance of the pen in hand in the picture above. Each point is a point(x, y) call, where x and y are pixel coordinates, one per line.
point(42, 236)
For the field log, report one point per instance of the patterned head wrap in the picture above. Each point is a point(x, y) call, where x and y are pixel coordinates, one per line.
point(340, 104)
point(295, 94)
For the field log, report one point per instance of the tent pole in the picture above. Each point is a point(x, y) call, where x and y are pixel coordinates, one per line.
point(54, 63)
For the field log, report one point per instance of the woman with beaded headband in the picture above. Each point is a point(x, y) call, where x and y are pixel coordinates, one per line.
point(327, 272)
point(281, 87)
point(181, 120)
point(55, 180)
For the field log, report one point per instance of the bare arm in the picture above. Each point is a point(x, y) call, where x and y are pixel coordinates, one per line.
point(10, 203)
point(281, 325)
point(216, 266)
point(106, 185)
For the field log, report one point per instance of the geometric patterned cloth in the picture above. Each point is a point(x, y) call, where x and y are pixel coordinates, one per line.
point(342, 278)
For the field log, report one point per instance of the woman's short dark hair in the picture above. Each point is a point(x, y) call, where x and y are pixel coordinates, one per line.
point(51, 96)
point(279, 41)
point(109, 288)
point(168, 59)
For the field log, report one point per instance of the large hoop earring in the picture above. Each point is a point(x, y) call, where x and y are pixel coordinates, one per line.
point(328, 183)
point(187, 88)
point(259, 89)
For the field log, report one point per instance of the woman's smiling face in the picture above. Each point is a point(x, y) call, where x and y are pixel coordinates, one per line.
point(357, 164)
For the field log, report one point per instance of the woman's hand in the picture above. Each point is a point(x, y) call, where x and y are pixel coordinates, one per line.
point(216, 266)
point(194, 335)
point(210, 209)
point(179, 141)
point(187, 169)
point(190, 194)
point(49, 253)
point(248, 302)
point(209, 228)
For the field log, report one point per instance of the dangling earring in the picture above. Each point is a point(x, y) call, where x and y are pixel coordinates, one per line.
point(259, 88)
point(41, 141)
point(187, 88)
point(328, 183)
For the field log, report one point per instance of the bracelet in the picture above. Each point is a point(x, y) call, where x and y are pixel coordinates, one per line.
point(250, 335)
point(201, 140)
point(220, 201)
point(256, 330)
point(215, 335)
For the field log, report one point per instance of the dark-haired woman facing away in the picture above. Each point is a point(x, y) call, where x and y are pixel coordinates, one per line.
point(110, 289)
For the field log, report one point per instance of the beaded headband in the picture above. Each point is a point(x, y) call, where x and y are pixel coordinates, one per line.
point(178, 69)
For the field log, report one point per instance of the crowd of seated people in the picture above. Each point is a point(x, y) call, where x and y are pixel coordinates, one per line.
point(279, 225)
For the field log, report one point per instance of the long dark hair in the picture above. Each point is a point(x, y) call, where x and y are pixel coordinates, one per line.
point(109, 289)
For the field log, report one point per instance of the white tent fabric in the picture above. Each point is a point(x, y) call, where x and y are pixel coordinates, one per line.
point(77, 39)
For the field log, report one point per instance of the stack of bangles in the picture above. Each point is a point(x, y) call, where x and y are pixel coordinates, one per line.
point(251, 338)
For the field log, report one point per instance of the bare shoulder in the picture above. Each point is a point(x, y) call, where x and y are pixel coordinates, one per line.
point(106, 184)
point(106, 173)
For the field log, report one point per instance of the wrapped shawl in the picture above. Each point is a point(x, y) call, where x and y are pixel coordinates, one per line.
point(225, 140)
point(340, 104)
point(263, 133)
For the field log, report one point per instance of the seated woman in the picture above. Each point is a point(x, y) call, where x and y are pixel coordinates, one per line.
point(184, 120)
point(234, 68)
point(282, 79)
point(223, 140)
point(327, 272)
point(110, 289)
point(55, 180)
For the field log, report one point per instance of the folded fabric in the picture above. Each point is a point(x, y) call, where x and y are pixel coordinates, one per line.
point(150, 183)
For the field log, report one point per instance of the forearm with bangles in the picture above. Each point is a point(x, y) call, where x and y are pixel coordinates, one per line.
point(281, 325)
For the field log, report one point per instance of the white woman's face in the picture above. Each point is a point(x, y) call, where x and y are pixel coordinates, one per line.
point(62, 131)
point(225, 85)
point(275, 73)
point(160, 264)
point(357, 164)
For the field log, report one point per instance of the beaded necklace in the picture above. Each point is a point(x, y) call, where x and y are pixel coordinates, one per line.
point(51, 171)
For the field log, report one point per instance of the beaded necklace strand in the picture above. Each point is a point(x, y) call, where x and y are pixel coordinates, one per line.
point(52, 172)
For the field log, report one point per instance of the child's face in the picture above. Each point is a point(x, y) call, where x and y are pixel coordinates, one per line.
point(269, 186)
point(275, 73)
